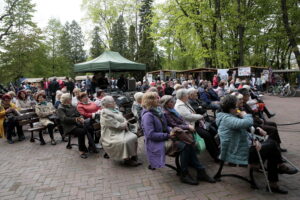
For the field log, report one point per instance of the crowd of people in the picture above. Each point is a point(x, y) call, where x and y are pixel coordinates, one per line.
point(168, 114)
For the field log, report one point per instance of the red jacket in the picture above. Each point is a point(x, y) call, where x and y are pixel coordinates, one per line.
point(215, 81)
point(87, 110)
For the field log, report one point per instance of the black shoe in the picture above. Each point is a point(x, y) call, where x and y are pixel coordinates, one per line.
point(93, 150)
point(131, 163)
point(10, 141)
point(284, 169)
point(282, 149)
point(151, 168)
point(135, 158)
point(186, 178)
point(42, 143)
point(277, 190)
point(22, 138)
point(203, 176)
point(84, 156)
point(271, 115)
point(53, 142)
point(106, 156)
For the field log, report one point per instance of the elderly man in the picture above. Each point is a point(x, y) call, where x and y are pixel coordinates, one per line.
point(117, 141)
point(73, 124)
point(188, 113)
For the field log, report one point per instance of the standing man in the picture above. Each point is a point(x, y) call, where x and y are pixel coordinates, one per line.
point(53, 87)
point(70, 85)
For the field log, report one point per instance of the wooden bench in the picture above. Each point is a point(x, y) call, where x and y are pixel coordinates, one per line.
point(31, 118)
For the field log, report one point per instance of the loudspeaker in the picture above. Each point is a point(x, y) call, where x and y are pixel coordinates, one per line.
point(131, 85)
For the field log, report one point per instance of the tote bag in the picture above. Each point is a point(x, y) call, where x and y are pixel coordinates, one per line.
point(199, 142)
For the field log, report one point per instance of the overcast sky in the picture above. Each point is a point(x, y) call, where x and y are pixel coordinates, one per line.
point(64, 10)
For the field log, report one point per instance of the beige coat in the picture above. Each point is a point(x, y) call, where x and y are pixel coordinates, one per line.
point(44, 111)
point(118, 143)
point(187, 112)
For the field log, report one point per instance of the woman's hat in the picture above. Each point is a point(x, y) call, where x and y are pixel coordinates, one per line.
point(165, 99)
point(6, 97)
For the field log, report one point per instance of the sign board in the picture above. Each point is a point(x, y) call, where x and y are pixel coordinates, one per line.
point(162, 75)
point(244, 71)
point(149, 78)
point(223, 74)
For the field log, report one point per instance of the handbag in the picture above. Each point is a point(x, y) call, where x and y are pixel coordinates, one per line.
point(199, 143)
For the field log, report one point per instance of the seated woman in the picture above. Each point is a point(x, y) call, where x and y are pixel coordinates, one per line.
point(72, 122)
point(188, 151)
point(195, 102)
point(268, 126)
point(209, 97)
point(23, 102)
point(44, 110)
point(89, 110)
point(196, 120)
point(75, 100)
point(99, 96)
point(117, 141)
point(236, 143)
point(8, 112)
point(57, 98)
point(136, 108)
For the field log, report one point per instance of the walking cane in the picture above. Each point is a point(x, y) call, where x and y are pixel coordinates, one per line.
point(264, 171)
point(261, 162)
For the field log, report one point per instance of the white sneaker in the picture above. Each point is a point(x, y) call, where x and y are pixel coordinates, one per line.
point(98, 146)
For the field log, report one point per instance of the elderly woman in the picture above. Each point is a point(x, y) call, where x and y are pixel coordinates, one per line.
point(188, 152)
point(136, 106)
point(195, 102)
point(99, 96)
point(44, 110)
point(239, 147)
point(23, 102)
point(8, 112)
point(117, 141)
point(57, 98)
point(75, 96)
point(72, 122)
point(197, 121)
point(89, 110)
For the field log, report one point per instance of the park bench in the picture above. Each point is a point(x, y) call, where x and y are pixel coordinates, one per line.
point(29, 117)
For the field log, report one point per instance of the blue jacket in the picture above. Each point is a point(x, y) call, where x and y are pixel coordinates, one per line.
point(234, 137)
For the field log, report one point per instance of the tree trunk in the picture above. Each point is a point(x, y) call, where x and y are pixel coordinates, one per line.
point(241, 30)
point(289, 32)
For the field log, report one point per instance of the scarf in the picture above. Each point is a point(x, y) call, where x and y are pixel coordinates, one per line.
point(159, 114)
point(115, 110)
point(43, 103)
point(157, 111)
point(174, 111)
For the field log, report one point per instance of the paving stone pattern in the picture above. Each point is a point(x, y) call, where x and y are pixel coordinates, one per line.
point(30, 171)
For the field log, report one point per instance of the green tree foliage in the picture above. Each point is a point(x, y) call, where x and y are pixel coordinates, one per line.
point(53, 33)
point(132, 43)
point(23, 51)
point(76, 39)
point(119, 37)
point(215, 33)
point(97, 44)
point(146, 47)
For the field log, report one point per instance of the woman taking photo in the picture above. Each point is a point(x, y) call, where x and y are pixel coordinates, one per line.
point(44, 110)
point(239, 147)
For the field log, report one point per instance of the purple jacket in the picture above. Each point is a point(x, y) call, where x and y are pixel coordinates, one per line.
point(154, 138)
point(175, 121)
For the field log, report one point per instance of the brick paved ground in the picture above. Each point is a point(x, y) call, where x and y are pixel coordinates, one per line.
point(31, 171)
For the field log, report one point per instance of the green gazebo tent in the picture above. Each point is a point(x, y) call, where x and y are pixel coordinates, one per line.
point(109, 61)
